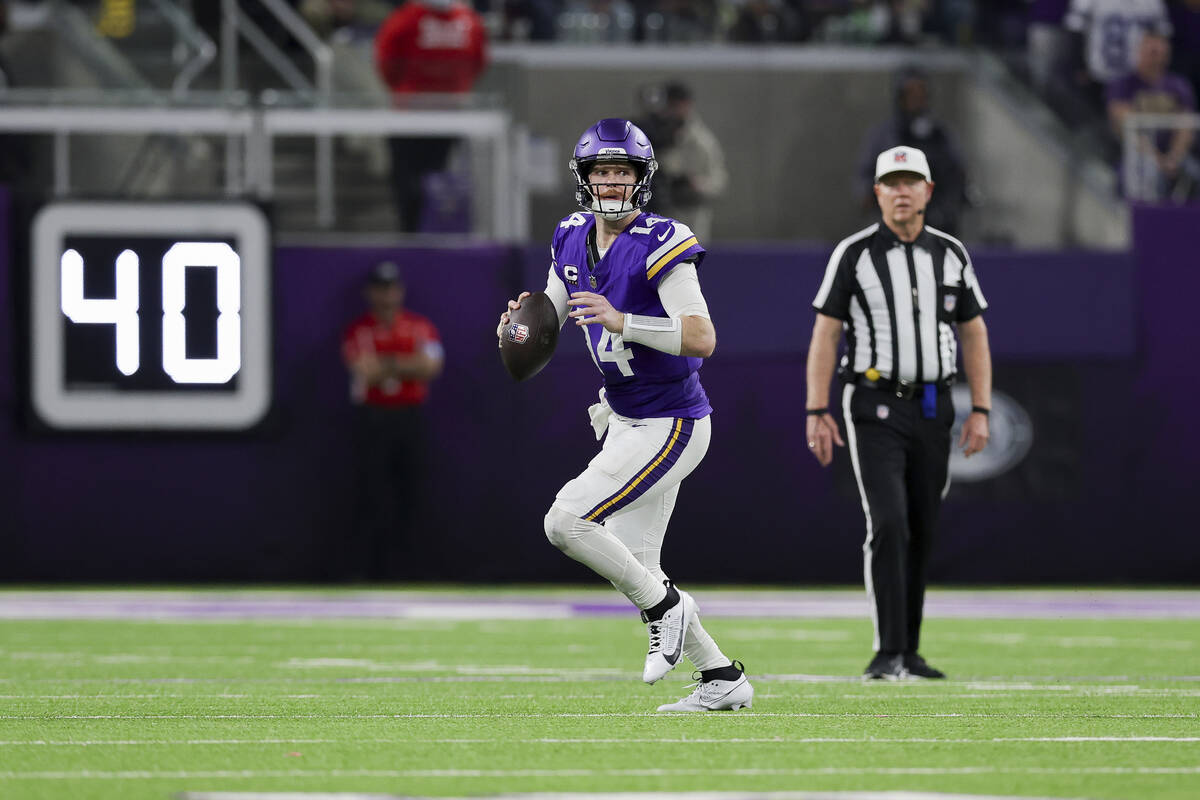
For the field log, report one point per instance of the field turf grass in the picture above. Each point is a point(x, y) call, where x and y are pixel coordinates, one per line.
point(131, 709)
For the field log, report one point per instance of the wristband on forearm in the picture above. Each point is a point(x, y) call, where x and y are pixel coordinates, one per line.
point(816, 412)
point(661, 333)
point(980, 410)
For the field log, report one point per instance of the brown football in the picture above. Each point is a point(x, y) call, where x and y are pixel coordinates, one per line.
point(528, 340)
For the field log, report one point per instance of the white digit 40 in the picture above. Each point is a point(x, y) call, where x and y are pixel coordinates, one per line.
point(122, 310)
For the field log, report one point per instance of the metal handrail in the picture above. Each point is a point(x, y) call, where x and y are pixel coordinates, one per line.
point(270, 51)
point(235, 21)
point(191, 35)
point(254, 130)
point(63, 121)
point(1132, 154)
point(494, 126)
point(322, 54)
point(103, 59)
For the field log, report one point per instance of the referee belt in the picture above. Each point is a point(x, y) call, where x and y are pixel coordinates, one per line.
point(905, 390)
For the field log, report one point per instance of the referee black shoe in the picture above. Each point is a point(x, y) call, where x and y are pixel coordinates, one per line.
point(917, 667)
point(885, 666)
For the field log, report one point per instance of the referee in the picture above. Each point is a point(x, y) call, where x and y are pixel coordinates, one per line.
point(898, 289)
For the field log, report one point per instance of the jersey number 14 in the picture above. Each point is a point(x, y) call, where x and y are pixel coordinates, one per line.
point(611, 349)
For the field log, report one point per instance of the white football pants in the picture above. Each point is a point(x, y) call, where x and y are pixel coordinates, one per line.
point(613, 516)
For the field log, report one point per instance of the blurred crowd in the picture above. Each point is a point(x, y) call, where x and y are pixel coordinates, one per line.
point(1084, 57)
point(833, 21)
point(1094, 62)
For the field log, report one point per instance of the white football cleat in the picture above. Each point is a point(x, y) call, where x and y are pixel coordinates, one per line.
point(666, 638)
point(716, 696)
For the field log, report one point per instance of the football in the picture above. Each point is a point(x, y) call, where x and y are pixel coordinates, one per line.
point(529, 339)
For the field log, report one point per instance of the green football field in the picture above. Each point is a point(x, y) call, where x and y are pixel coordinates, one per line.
point(157, 694)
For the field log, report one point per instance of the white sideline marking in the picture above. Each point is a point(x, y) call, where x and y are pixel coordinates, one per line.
point(392, 605)
point(650, 714)
point(890, 691)
point(652, 740)
point(616, 676)
point(584, 773)
point(620, 796)
point(338, 697)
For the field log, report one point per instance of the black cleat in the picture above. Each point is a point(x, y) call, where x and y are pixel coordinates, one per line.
point(886, 666)
point(918, 668)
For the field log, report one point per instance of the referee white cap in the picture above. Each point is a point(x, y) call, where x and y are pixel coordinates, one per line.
point(902, 159)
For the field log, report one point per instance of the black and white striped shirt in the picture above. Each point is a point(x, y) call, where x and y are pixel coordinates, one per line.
point(898, 302)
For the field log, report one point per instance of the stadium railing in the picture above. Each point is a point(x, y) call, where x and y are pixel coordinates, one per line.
point(1142, 178)
point(249, 166)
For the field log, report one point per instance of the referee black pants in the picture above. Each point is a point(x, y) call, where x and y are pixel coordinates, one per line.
point(901, 461)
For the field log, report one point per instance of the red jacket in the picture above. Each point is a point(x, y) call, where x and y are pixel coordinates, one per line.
point(419, 49)
point(408, 334)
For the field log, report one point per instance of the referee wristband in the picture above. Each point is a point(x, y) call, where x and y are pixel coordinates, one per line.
point(816, 412)
point(980, 410)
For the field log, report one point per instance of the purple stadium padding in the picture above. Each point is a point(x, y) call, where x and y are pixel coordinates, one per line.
point(1096, 347)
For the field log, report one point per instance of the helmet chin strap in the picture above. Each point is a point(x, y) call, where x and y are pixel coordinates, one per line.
point(612, 209)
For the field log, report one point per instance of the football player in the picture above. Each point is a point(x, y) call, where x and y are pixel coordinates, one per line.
point(627, 279)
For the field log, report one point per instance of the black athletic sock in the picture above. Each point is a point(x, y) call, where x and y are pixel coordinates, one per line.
point(668, 602)
point(730, 673)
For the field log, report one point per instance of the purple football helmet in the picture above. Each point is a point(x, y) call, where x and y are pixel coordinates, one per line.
point(613, 140)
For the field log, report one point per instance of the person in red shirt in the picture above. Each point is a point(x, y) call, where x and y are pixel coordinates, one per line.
point(392, 354)
point(426, 46)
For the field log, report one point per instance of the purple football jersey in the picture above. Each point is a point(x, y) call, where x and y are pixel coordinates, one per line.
point(639, 381)
point(1171, 94)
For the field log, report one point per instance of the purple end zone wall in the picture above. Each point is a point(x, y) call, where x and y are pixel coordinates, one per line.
point(1095, 347)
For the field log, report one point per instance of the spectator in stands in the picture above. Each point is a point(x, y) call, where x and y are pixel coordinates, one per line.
point(1162, 168)
point(691, 163)
point(391, 354)
point(1105, 39)
point(914, 125)
point(650, 100)
point(426, 47)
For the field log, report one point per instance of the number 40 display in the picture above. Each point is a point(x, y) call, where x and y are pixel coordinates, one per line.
point(216, 366)
point(122, 310)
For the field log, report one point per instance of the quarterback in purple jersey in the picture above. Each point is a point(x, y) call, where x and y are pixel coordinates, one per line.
point(628, 279)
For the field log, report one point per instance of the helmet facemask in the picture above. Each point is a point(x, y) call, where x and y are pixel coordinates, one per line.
point(634, 197)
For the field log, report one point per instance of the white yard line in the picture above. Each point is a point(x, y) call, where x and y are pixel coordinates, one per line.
point(748, 715)
point(613, 796)
point(585, 773)
point(388, 605)
point(1051, 681)
point(883, 693)
point(631, 740)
